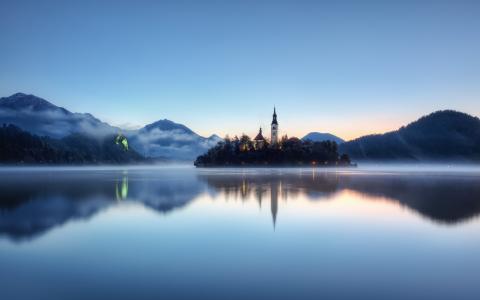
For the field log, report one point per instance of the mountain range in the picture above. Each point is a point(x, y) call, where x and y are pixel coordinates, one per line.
point(42, 129)
point(162, 139)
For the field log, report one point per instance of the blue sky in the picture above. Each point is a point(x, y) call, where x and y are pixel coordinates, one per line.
point(348, 68)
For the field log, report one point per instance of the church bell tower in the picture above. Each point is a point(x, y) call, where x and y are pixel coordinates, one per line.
point(274, 138)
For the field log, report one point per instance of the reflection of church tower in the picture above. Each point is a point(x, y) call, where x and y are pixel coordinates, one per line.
point(259, 196)
point(274, 201)
point(274, 128)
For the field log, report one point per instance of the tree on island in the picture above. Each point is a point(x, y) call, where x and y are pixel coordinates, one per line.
point(288, 151)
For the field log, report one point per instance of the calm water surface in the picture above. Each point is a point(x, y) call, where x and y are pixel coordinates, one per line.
point(183, 233)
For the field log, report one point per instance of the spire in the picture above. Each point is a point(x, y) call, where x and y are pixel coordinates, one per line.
point(274, 121)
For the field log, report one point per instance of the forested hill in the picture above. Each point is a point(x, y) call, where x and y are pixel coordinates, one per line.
point(440, 136)
point(20, 147)
point(159, 140)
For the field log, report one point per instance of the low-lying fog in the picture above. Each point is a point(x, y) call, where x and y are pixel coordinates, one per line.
point(361, 167)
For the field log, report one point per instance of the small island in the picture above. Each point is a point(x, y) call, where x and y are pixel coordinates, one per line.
point(286, 151)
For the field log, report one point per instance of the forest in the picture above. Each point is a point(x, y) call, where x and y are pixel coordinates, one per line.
point(288, 152)
point(21, 147)
point(438, 137)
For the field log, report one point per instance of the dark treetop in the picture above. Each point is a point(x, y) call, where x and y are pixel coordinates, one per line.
point(293, 151)
point(21, 147)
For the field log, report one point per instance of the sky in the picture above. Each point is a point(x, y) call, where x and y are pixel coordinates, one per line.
point(346, 67)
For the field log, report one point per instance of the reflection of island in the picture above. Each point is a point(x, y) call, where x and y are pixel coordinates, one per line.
point(30, 207)
point(444, 199)
point(274, 187)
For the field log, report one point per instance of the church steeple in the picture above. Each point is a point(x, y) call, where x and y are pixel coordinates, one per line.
point(274, 121)
point(274, 128)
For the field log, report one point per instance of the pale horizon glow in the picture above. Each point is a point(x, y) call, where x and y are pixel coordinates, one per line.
point(351, 68)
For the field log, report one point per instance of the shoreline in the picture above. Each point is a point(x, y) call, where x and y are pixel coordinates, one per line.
point(354, 165)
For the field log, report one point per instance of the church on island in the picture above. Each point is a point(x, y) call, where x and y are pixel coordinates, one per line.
point(259, 141)
point(275, 151)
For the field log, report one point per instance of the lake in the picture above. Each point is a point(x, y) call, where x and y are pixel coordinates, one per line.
point(184, 233)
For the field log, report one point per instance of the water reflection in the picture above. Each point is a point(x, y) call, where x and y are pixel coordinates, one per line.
point(446, 199)
point(272, 187)
point(443, 198)
point(121, 188)
point(33, 203)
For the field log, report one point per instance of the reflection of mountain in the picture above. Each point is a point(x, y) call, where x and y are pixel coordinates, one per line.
point(31, 207)
point(444, 199)
point(165, 194)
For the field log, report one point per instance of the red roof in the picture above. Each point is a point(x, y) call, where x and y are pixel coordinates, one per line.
point(259, 136)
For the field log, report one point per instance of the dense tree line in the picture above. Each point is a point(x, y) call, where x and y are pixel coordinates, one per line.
point(443, 135)
point(293, 151)
point(21, 147)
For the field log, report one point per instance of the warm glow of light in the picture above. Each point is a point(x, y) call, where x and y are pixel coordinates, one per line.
point(346, 129)
point(346, 205)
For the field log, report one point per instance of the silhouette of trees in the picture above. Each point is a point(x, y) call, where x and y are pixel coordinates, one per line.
point(289, 151)
point(21, 147)
point(440, 136)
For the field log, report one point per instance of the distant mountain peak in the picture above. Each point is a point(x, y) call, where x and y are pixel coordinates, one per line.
point(214, 137)
point(18, 95)
point(24, 101)
point(320, 136)
point(168, 125)
point(443, 114)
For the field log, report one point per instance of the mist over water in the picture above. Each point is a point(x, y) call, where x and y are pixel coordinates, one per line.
point(376, 231)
